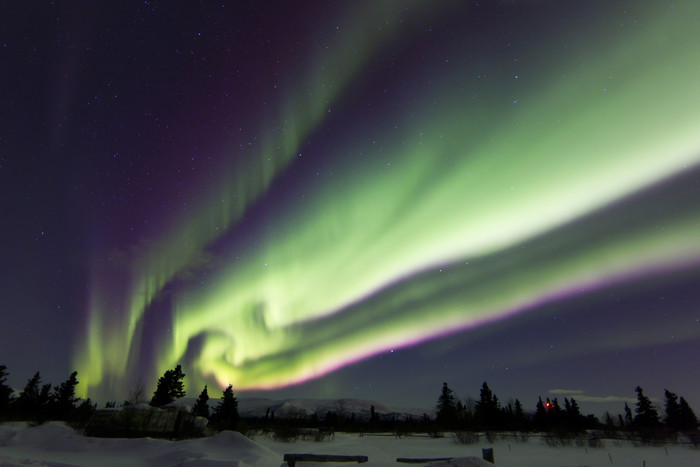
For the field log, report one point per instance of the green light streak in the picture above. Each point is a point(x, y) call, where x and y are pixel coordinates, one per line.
point(460, 295)
point(356, 267)
point(155, 263)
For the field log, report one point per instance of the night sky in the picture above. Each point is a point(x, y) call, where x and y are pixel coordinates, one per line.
point(353, 199)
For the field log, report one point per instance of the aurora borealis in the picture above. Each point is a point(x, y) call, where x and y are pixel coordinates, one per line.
point(280, 197)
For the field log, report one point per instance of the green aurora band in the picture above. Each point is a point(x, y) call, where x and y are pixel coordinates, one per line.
point(467, 209)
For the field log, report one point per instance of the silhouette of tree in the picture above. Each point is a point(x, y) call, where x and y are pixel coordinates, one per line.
point(225, 414)
point(84, 411)
point(5, 392)
point(573, 417)
point(487, 408)
point(201, 407)
point(688, 421)
point(64, 397)
point(541, 419)
point(28, 400)
point(520, 420)
point(373, 417)
point(555, 408)
point(609, 422)
point(45, 407)
point(45, 395)
point(673, 411)
point(170, 387)
point(446, 408)
point(629, 419)
point(646, 415)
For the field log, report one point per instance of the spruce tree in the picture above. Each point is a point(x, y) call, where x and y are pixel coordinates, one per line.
point(554, 407)
point(519, 409)
point(170, 387)
point(629, 419)
point(541, 415)
point(688, 420)
point(609, 421)
point(673, 411)
point(84, 411)
point(373, 417)
point(486, 411)
point(5, 392)
point(64, 397)
point(45, 404)
point(646, 415)
point(446, 408)
point(225, 414)
point(555, 415)
point(574, 408)
point(572, 414)
point(28, 400)
point(201, 407)
point(520, 419)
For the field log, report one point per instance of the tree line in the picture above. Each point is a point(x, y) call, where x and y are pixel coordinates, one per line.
point(41, 402)
point(488, 414)
point(171, 387)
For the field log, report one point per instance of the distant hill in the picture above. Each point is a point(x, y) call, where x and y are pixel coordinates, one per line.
point(257, 407)
point(288, 408)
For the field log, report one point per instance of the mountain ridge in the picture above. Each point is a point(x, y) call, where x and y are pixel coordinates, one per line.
point(253, 407)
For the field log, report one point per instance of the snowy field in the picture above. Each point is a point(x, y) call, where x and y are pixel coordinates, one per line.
point(56, 445)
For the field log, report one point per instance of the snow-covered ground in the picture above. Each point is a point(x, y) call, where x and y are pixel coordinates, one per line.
point(383, 451)
point(56, 445)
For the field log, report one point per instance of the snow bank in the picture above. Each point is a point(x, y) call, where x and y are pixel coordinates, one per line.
point(56, 445)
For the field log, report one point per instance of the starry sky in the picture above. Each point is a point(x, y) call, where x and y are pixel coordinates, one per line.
point(331, 199)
